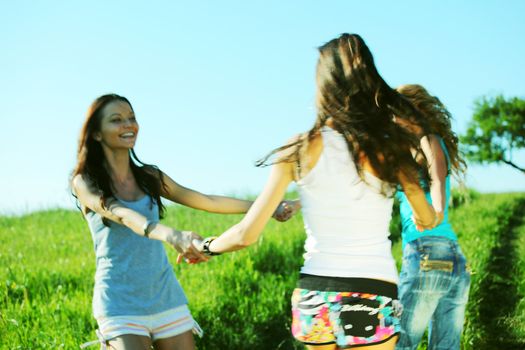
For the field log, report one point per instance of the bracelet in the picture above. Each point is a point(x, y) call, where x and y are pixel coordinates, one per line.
point(147, 228)
point(206, 246)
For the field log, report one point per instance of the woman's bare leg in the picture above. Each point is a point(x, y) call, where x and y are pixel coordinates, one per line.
point(130, 342)
point(182, 341)
point(388, 345)
point(322, 347)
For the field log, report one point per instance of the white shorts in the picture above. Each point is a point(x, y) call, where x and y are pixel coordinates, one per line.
point(165, 324)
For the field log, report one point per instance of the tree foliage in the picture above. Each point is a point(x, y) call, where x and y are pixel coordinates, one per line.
point(496, 131)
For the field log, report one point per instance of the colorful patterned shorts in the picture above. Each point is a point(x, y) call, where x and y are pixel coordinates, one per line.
point(324, 314)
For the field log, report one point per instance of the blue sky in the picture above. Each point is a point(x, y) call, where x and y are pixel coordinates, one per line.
point(217, 84)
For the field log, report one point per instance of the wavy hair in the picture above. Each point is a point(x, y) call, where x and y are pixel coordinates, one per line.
point(91, 161)
point(438, 119)
point(361, 106)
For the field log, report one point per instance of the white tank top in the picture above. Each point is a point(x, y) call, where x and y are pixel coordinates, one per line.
point(346, 219)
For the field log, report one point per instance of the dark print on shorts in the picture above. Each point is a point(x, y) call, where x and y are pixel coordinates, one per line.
point(345, 318)
point(359, 317)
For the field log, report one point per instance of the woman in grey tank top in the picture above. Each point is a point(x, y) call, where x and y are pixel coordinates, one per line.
point(137, 300)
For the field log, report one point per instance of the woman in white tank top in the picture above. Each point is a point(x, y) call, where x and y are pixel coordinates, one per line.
point(346, 168)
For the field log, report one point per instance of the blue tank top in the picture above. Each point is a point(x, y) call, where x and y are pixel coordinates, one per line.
point(409, 232)
point(133, 275)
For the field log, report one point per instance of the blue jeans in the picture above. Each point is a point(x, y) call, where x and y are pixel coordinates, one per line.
point(433, 289)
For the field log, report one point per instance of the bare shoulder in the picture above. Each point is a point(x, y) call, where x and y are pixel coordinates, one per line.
point(433, 137)
point(432, 143)
point(314, 147)
point(84, 187)
point(434, 140)
point(81, 183)
point(311, 147)
point(287, 151)
point(77, 180)
point(86, 192)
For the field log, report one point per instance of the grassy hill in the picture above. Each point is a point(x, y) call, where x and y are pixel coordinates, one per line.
point(242, 300)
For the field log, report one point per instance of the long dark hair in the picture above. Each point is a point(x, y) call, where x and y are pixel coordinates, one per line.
point(361, 106)
point(439, 121)
point(91, 159)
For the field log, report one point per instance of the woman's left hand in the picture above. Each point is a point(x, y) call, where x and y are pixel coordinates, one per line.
point(438, 219)
point(198, 244)
point(286, 209)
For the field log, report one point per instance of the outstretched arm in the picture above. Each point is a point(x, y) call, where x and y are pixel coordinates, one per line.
point(115, 211)
point(217, 204)
point(197, 200)
point(249, 229)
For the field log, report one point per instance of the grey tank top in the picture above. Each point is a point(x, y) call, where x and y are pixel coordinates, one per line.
point(133, 275)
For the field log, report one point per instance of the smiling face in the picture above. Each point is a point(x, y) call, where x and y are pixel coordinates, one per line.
point(118, 126)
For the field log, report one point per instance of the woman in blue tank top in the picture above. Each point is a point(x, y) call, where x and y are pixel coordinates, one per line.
point(137, 300)
point(434, 280)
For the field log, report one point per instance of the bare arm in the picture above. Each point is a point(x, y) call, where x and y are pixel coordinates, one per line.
point(194, 199)
point(248, 230)
point(424, 214)
point(437, 168)
point(219, 204)
point(117, 212)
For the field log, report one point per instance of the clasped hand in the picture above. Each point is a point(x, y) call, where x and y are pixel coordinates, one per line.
point(189, 244)
point(183, 242)
point(421, 226)
point(286, 209)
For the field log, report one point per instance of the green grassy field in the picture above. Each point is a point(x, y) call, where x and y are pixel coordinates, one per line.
point(241, 300)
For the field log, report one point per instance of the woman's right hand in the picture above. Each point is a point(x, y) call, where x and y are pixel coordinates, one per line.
point(182, 241)
point(286, 209)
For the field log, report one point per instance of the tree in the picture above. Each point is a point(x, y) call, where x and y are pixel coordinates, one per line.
point(496, 131)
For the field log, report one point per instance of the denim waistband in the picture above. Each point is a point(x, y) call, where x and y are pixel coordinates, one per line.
point(436, 253)
point(343, 284)
point(435, 241)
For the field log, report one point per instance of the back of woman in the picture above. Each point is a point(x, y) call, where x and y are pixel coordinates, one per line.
point(346, 293)
point(434, 281)
point(409, 231)
point(346, 217)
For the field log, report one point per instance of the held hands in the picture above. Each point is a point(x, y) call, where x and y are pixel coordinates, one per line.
point(190, 245)
point(286, 209)
point(420, 226)
point(182, 241)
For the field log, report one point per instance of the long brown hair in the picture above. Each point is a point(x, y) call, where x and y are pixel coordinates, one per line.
point(361, 106)
point(438, 119)
point(91, 159)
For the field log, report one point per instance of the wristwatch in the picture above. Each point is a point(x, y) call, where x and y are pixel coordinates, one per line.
point(206, 246)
